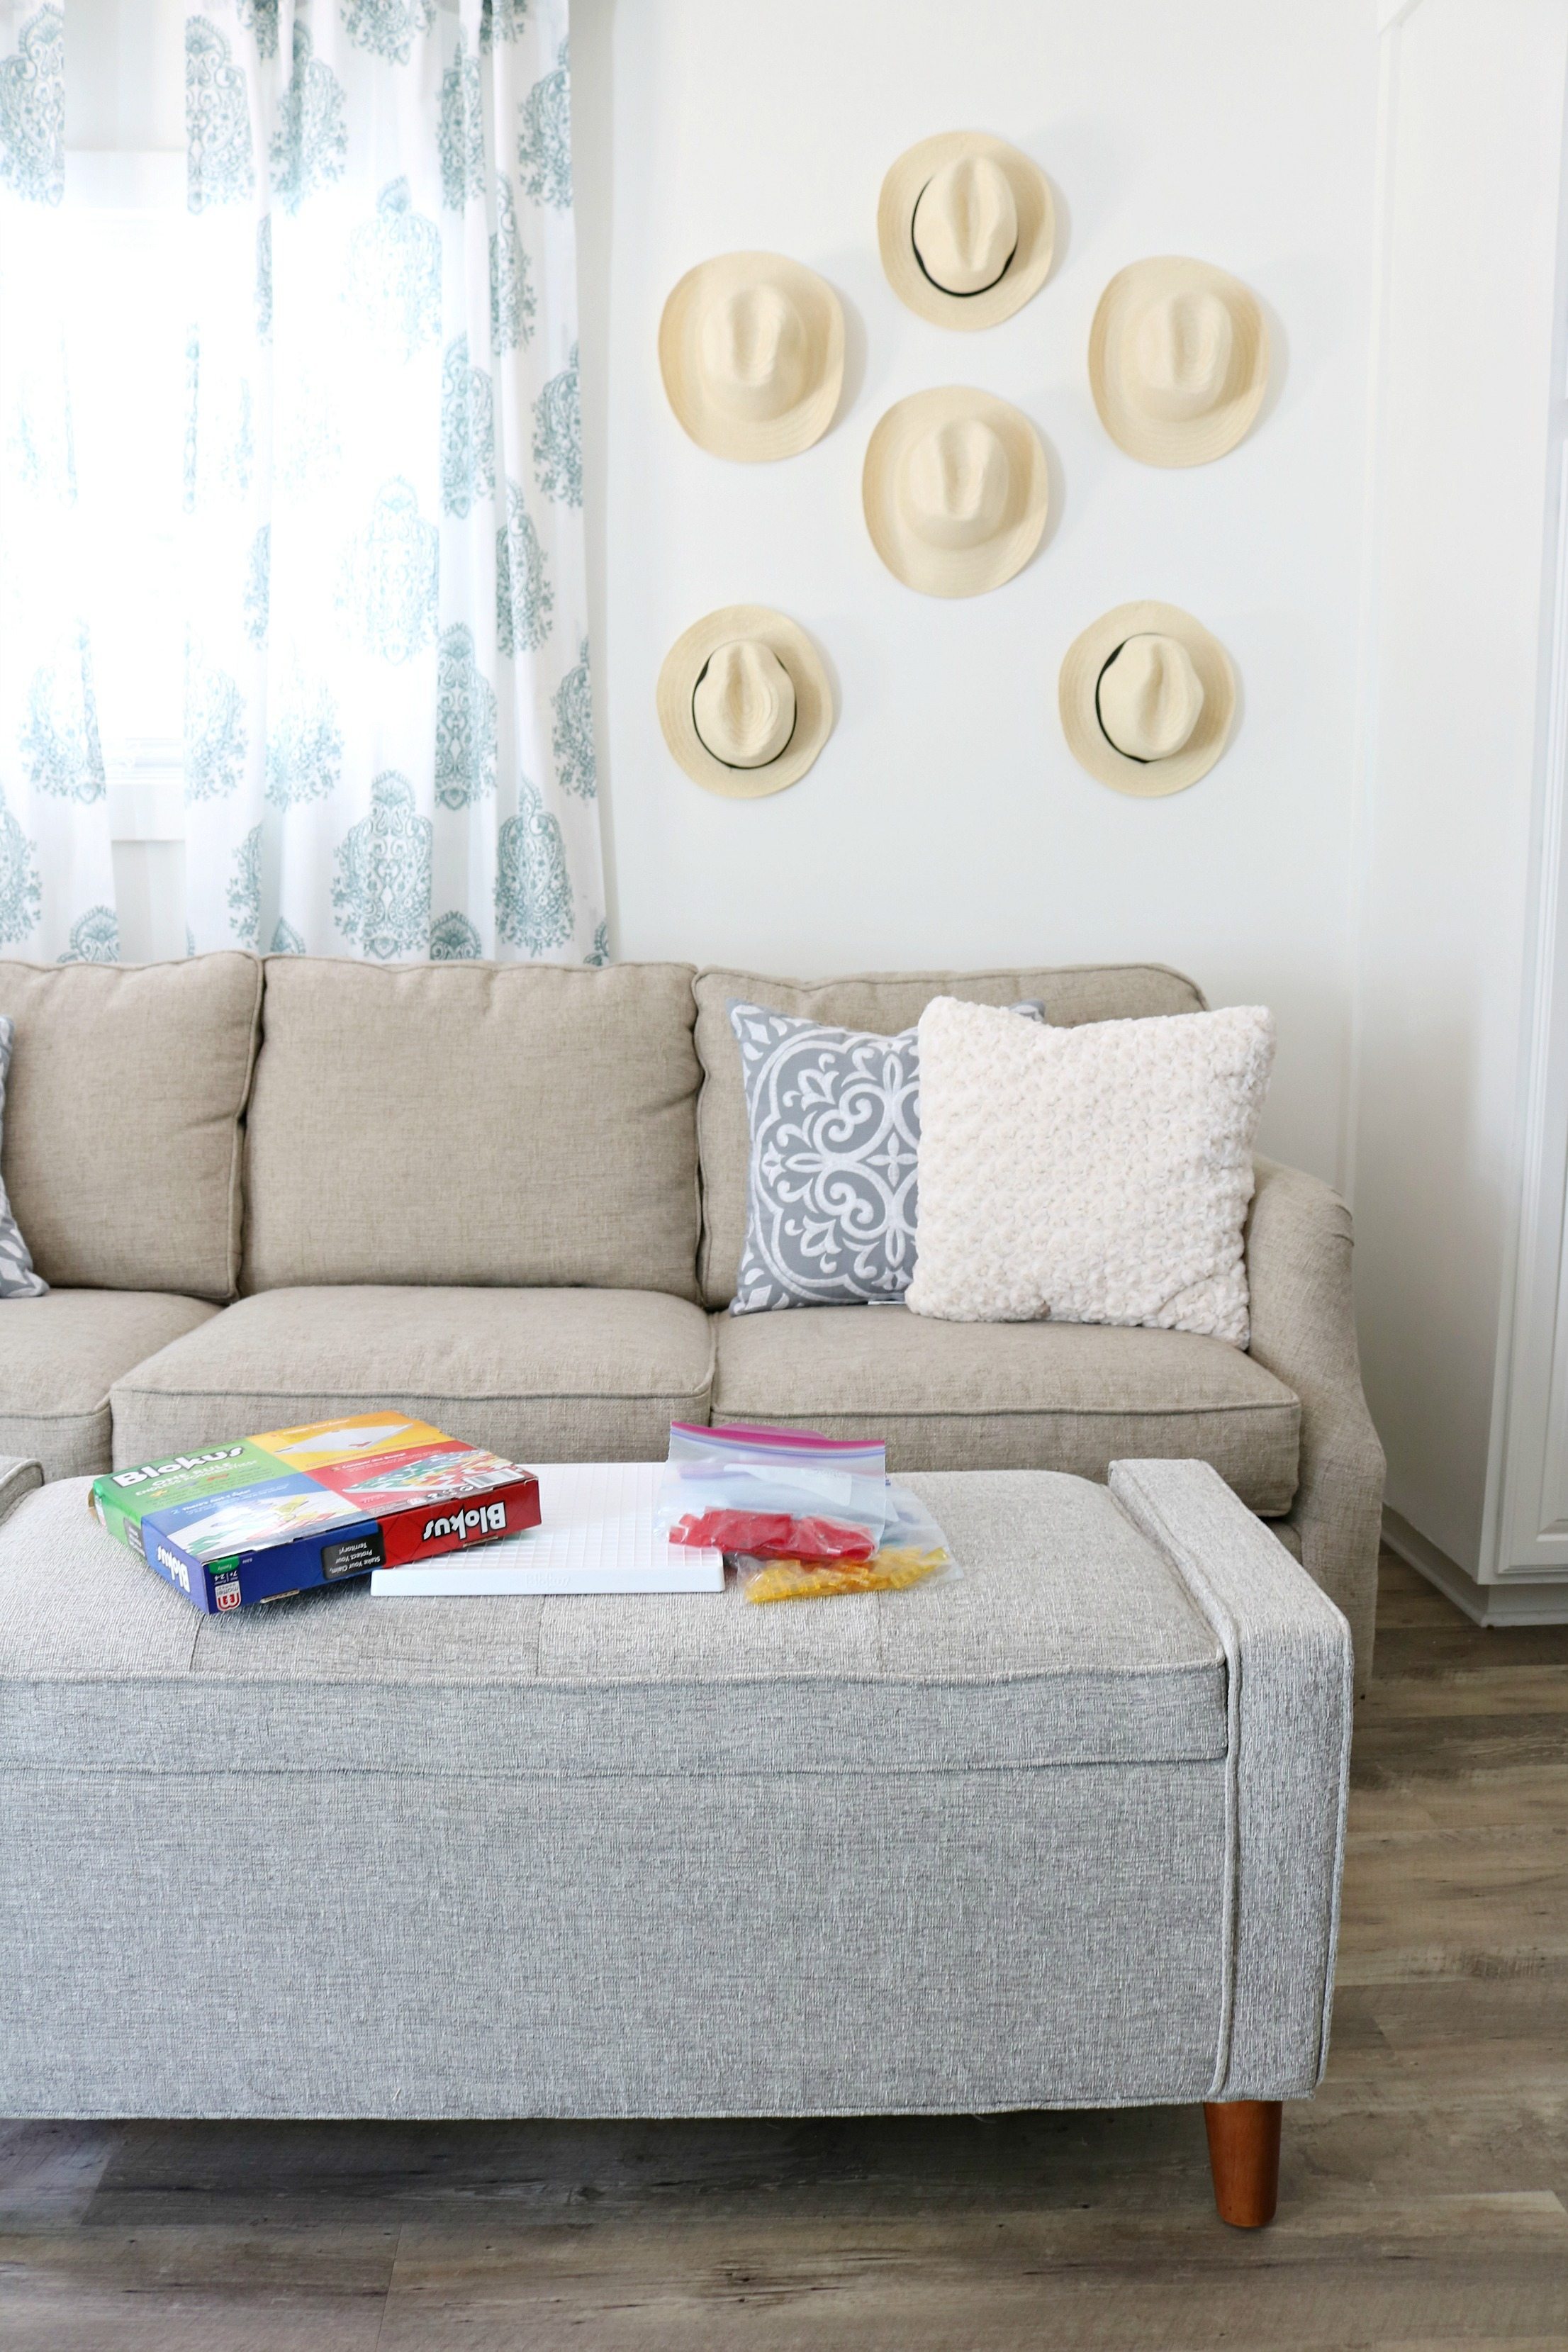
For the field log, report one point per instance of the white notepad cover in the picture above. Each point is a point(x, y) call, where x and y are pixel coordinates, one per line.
point(596, 1535)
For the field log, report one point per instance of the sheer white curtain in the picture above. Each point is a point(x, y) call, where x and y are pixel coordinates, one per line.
point(56, 892)
point(388, 733)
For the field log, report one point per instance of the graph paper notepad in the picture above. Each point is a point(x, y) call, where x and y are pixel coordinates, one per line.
point(597, 1535)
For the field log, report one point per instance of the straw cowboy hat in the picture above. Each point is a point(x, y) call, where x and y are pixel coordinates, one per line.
point(1147, 699)
point(751, 347)
point(955, 490)
point(1178, 361)
point(966, 225)
point(744, 702)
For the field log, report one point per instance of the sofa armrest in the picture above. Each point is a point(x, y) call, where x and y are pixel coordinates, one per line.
point(1288, 1695)
point(1303, 1331)
point(17, 1477)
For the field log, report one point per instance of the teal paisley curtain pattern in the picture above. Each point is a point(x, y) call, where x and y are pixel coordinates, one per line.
point(33, 102)
point(57, 889)
point(389, 703)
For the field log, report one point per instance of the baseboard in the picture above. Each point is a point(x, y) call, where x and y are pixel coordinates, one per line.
point(1538, 1602)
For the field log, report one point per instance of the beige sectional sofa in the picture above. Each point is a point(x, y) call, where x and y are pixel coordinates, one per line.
point(515, 1198)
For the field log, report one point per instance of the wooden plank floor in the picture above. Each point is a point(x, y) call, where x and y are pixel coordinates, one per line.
point(1422, 2197)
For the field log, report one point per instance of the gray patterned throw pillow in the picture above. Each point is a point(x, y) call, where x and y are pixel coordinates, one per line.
point(17, 1279)
point(834, 1116)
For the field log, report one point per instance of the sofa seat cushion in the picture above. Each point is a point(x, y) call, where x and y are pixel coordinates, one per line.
point(1069, 1640)
point(59, 1357)
point(552, 1375)
point(1013, 1396)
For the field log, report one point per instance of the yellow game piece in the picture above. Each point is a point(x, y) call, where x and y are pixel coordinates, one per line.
point(889, 1570)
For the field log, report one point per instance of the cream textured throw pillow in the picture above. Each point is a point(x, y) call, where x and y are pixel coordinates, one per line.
point(1100, 1174)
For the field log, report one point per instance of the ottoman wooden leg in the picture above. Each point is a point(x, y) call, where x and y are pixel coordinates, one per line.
point(1244, 2157)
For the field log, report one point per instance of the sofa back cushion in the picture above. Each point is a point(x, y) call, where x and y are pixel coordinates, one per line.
point(474, 1123)
point(884, 1002)
point(122, 1132)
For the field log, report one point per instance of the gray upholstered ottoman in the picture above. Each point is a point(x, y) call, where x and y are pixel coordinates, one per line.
point(1065, 1833)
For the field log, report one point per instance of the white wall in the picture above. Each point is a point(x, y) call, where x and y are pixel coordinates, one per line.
point(1472, 450)
point(946, 822)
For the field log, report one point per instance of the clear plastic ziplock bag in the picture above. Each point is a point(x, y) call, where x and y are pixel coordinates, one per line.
point(913, 1550)
point(776, 1493)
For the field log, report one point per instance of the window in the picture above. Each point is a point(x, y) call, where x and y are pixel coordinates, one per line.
point(125, 344)
point(124, 225)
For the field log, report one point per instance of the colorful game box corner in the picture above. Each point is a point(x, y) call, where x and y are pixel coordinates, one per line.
point(228, 1525)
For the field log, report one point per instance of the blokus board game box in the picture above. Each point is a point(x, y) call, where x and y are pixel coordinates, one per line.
point(231, 1524)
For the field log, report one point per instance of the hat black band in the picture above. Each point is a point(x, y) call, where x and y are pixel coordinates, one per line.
point(1099, 717)
point(734, 767)
point(973, 291)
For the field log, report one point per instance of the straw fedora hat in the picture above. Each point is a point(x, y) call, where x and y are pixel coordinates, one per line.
point(1147, 697)
point(955, 488)
point(966, 225)
point(751, 347)
point(744, 702)
point(1178, 361)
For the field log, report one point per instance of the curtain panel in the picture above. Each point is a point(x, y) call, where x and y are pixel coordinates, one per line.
point(389, 747)
point(56, 888)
